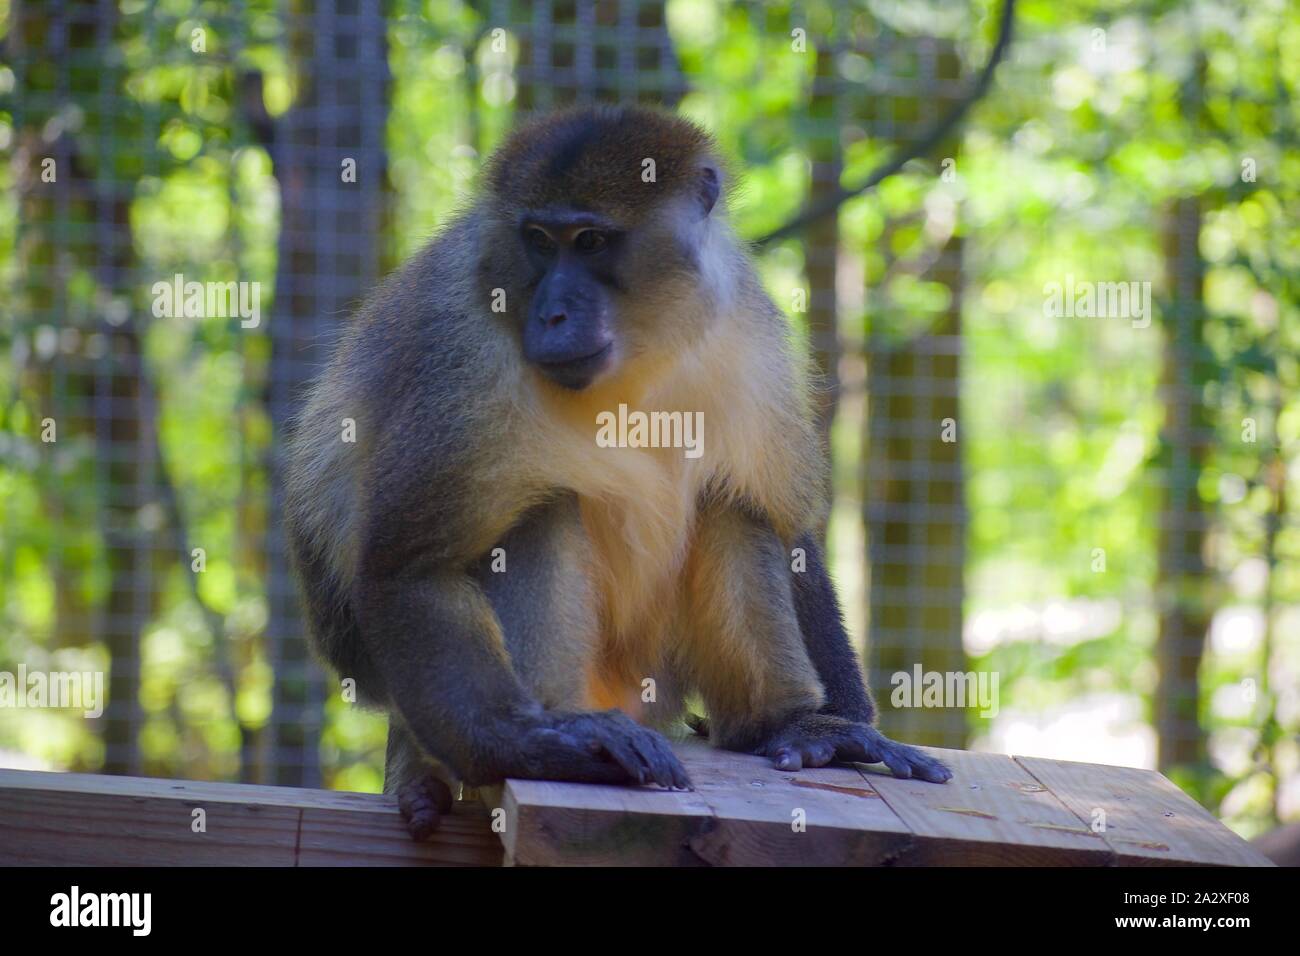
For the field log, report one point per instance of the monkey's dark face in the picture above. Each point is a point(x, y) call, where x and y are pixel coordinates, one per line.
point(569, 330)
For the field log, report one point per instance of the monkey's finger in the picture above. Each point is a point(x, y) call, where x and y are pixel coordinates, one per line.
point(892, 755)
point(865, 744)
point(646, 762)
point(654, 752)
point(919, 765)
point(681, 779)
point(804, 751)
point(618, 736)
point(896, 762)
point(622, 752)
point(914, 763)
point(818, 753)
point(642, 755)
point(927, 768)
point(666, 769)
point(787, 758)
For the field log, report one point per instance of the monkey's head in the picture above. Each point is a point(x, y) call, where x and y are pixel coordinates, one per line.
point(603, 219)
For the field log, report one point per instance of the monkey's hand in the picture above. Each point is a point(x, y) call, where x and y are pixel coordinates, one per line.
point(602, 747)
point(814, 740)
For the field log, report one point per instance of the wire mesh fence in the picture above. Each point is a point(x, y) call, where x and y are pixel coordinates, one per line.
point(1079, 500)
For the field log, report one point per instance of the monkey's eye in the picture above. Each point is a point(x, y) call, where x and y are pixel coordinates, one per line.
point(590, 240)
point(539, 240)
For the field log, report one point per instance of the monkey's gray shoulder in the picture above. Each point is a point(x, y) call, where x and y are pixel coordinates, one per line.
point(425, 358)
point(413, 382)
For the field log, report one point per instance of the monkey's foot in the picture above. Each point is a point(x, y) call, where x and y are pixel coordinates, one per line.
point(423, 802)
point(814, 740)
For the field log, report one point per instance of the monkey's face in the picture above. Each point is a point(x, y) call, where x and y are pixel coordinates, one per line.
point(610, 209)
point(569, 330)
point(606, 290)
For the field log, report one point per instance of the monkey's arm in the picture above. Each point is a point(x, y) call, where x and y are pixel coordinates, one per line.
point(842, 729)
point(438, 650)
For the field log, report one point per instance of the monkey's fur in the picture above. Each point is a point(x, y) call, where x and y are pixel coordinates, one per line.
point(620, 564)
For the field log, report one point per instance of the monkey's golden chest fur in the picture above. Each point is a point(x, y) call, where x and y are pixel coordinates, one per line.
point(638, 508)
point(639, 548)
point(639, 504)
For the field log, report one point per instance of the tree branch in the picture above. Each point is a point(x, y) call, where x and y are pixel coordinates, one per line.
point(936, 135)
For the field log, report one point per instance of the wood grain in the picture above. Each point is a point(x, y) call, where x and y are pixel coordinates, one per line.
point(549, 824)
point(1148, 820)
point(83, 819)
point(992, 812)
point(763, 816)
point(997, 810)
point(742, 812)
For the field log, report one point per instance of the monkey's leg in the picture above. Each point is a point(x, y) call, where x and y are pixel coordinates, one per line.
point(760, 640)
point(739, 643)
point(423, 795)
point(827, 643)
point(842, 729)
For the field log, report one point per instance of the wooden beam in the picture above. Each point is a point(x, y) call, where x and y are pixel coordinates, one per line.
point(1147, 820)
point(85, 819)
point(996, 810)
point(742, 812)
point(993, 812)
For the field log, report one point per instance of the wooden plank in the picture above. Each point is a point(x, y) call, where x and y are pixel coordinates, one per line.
point(186, 789)
point(53, 827)
point(379, 838)
point(996, 810)
point(742, 812)
point(992, 813)
point(825, 816)
point(84, 819)
point(1148, 821)
point(569, 824)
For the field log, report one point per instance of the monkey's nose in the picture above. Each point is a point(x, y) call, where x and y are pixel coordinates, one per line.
point(554, 320)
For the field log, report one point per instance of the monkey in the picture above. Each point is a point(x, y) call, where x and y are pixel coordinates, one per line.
point(525, 600)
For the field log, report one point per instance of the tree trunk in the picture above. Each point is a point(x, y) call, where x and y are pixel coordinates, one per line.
point(914, 499)
point(1182, 584)
point(80, 222)
point(821, 251)
point(329, 254)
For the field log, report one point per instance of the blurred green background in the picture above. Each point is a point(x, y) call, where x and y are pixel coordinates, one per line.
point(1101, 512)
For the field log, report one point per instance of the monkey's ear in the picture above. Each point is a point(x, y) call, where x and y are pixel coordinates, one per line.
point(710, 187)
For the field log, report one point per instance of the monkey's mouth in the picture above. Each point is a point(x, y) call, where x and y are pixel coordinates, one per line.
point(576, 374)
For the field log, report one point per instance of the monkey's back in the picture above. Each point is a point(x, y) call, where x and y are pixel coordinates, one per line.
point(396, 424)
